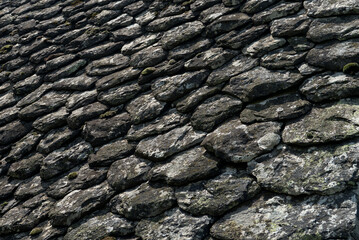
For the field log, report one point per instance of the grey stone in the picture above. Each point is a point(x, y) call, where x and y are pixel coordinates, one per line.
point(165, 23)
point(51, 121)
point(27, 85)
point(140, 43)
point(322, 8)
point(88, 39)
point(181, 34)
point(122, 20)
point(282, 59)
point(8, 186)
point(127, 33)
point(79, 116)
point(290, 26)
point(283, 217)
point(329, 86)
point(13, 131)
point(254, 6)
point(185, 167)
point(8, 114)
point(66, 71)
point(328, 123)
point(212, 59)
point(118, 95)
point(42, 55)
point(100, 226)
point(227, 23)
point(144, 201)
point(147, 57)
point(110, 153)
point(30, 188)
point(261, 82)
point(277, 11)
point(135, 8)
point(104, 16)
point(34, 95)
point(80, 99)
point(79, 83)
point(263, 45)
point(199, 5)
point(107, 65)
point(212, 13)
point(231, 3)
point(174, 87)
point(236, 142)
point(162, 146)
point(214, 111)
point(216, 196)
point(26, 167)
point(308, 70)
point(7, 100)
point(280, 108)
point(190, 49)
point(117, 78)
point(145, 17)
point(55, 139)
point(175, 225)
point(55, 63)
point(100, 131)
point(128, 172)
point(78, 203)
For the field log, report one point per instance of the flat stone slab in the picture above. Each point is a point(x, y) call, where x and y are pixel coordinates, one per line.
point(236, 142)
point(328, 123)
point(282, 217)
point(323, 8)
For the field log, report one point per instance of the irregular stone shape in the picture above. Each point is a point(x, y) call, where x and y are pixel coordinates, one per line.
point(214, 111)
point(157, 126)
point(164, 23)
point(329, 86)
point(181, 34)
point(212, 13)
point(282, 59)
point(79, 83)
point(46, 104)
point(186, 167)
point(263, 45)
point(8, 187)
point(135, 8)
point(104, 16)
point(66, 71)
point(201, 4)
point(26, 216)
point(85, 178)
point(171, 88)
point(117, 78)
point(52, 120)
point(79, 116)
point(88, 39)
point(238, 39)
point(145, 17)
point(238, 65)
point(261, 82)
point(80, 99)
point(280, 108)
point(40, 56)
point(227, 23)
point(7, 100)
point(144, 108)
point(127, 33)
point(107, 65)
point(283, 217)
point(275, 12)
point(123, 20)
point(334, 56)
point(148, 57)
point(56, 63)
point(162, 146)
point(328, 123)
point(27, 85)
point(27, 167)
point(100, 131)
point(13, 131)
point(140, 43)
point(216, 196)
point(128, 172)
point(212, 59)
point(190, 49)
point(118, 95)
point(48, 231)
point(64, 159)
point(342, 28)
point(236, 142)
point(55, 139)
point(34, 95)
point(175, 225)
point(100, 226)
point(322, 8)
point(30, 188)
point(254, 6)
point(322, 170)
point(111, 152)
point(144, 201)
point(78, 203)
point(290, 26)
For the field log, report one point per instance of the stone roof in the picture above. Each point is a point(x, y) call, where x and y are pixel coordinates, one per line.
point(179, 120)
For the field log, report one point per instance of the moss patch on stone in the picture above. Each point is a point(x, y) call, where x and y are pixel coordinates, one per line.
point(108, 114)
point(35, 231)
point(5, 49)
point(72, 175)
point(108, 238)
point(351, 68)
point(148, 71)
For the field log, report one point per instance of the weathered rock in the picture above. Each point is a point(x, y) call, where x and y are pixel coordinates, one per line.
point(190, 49)
point(212, 13)
point(117, 78)
point(308, 70)
point(214, 111)
point(52, 120)
point(171, 88)
point(100, 226)
point(66, 71)
point(7, 100)
point(8, 114)
point(118, 95)
point(80, 99)
point(290, 26)
point(322, 8)
point(283, 217)
point(147, 57)
point(100, 131)
point(64, 159)
point(107, 65)
point(27, 85)
point(201, 4)
point(144, 108)
point(334, 56)
point(135, 8)
point(79, 116)
point(144, 201)
point(140, 43)
point(13, 131)
point(212, 59)
point(227, 23)
point(261, 82)
point(165, 23)
point(328, 123)
point(342, 28)
point(79, 83)
point(254, 6)
point(122, 20)
point(8, 186)
point(175, 225)
point(111, 152)
point(277, 11)
point(216, 196)
point(85, 178)
point(180, 34)
point(27, 167)
point(128, 172)
point(236, 142)
point(281, 107)
point(186, 167)
point(78, 203)
point(55, 139)
point(55, 63)
point(88, 39)
point(127, 33)
point(104, 16)
point(162, 146)
point(34, 95)
point(30, 188)
point(157, 126)
point(282, 59)
point(263, 45)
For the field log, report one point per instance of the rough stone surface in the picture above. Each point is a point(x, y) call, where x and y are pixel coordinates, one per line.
point(322, 8)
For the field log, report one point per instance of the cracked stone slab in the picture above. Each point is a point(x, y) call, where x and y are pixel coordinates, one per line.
point(235, 142)
point(162, 146)
point(327, 123)
point(283, 217)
